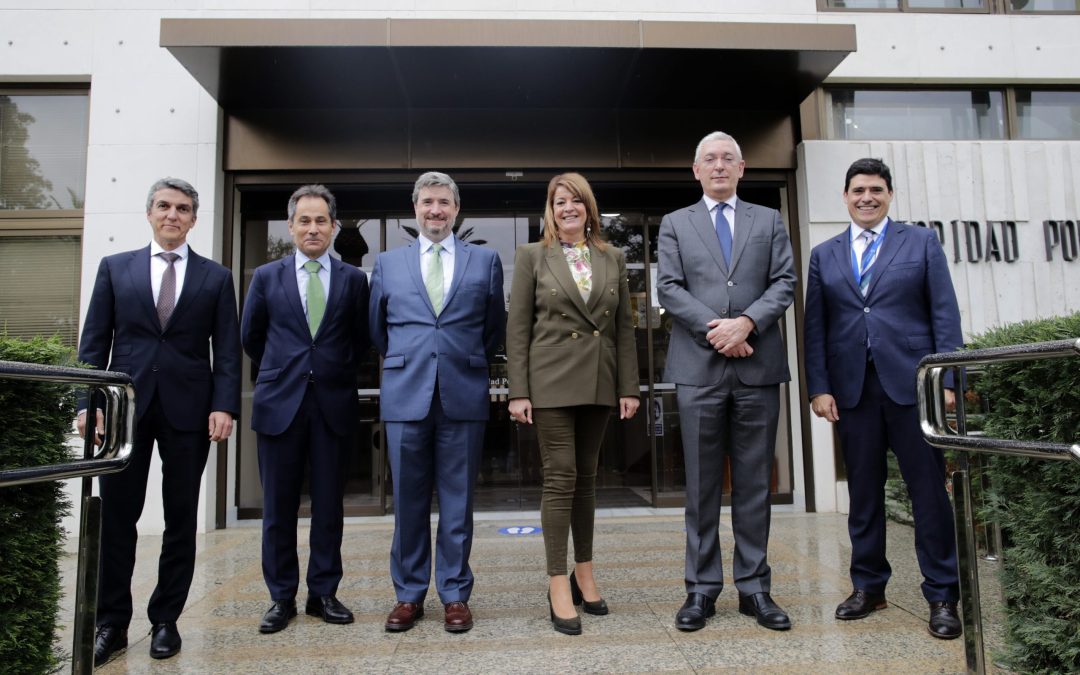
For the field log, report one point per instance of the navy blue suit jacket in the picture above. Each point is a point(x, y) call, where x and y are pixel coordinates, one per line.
point(276, 336)
point(122, 332)
point(909, 311)
point(417, 346)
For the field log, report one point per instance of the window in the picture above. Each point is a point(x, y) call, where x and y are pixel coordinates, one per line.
point(1035, 6)
point(911, 5)
point(43, 140)
point(1048, 114)
point(869, 114)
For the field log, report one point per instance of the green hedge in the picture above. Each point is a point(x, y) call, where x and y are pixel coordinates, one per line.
point(34, 421)
point(1037, 502)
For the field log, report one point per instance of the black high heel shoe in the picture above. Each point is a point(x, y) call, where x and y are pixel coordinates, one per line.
point(564, 626)
point(599, 608)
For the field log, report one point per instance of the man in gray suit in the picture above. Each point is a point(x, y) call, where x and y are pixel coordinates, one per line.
point(726, 277)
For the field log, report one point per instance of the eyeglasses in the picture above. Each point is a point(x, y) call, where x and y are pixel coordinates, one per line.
point(726, 160)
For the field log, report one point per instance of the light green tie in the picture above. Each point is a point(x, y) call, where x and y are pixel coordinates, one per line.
point(316, 296)
point(434, 282)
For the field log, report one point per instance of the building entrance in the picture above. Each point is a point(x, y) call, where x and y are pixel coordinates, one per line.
point(641, 460)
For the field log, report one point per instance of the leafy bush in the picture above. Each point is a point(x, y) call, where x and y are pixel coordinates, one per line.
point(1036, 502)
point(34, 421)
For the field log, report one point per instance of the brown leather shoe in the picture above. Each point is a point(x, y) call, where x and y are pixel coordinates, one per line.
point(404, 616)
point(458, 617)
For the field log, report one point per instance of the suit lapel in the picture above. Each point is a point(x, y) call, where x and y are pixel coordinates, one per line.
point(744, 224)
point(462, 251)
point(139, 271)
point(287, 278)
point(337, 288)
point(841, 251)
point(556, 262)
point(895, 236)
point(599, 276)
point(706, 229)
point(194, 276)
point(412, 263)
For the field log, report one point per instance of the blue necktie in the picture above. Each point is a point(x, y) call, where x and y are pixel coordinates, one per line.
point(867, 260)
point(723, 233)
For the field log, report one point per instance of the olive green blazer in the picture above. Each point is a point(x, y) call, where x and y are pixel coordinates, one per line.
point(560, 349)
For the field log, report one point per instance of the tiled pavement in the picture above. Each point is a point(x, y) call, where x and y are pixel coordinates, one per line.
point(639, 557)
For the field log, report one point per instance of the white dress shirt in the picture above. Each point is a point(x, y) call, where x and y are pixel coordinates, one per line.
point(730, 214)
point(302, 276)
point(158, 267)
point(447, 254)
point(858, 242)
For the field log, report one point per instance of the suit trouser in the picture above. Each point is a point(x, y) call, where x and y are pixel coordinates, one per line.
point(570, 440)
point(866, 432)
point(445, 454)
point(728, 419)
point(183, 458)
point(308, 441)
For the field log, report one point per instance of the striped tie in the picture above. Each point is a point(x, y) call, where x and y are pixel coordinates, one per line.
point(868, 255)
point(434, 281)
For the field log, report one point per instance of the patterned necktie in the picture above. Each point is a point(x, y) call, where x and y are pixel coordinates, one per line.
point(868, 255)
point(723, 232)
point(316, 296)
point(166, 301)
point(434, 281)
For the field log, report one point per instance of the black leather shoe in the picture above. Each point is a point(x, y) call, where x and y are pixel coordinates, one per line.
point(860, 604)
point(697, 608)
point(329, 608)
point(278, 616)
point(944, 621)
point(768, 613)
point(599, 608)
point(164, 640)
point(564, 626)
point(109, 641)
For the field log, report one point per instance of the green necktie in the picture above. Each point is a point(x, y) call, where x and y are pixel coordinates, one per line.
point(316, 296)
point(434, 282)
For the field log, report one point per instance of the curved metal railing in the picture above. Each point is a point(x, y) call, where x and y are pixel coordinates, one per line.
point(934, 421)
point(116, 395)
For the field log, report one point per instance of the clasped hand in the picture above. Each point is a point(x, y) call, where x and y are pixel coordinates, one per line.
point(728, 336)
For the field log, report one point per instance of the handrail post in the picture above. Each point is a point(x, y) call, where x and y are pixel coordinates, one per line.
point(967, 557)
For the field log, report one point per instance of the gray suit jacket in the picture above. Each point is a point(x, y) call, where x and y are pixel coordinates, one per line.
point(695, 286)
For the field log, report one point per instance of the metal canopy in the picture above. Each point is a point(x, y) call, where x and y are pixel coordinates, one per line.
point(469, 64)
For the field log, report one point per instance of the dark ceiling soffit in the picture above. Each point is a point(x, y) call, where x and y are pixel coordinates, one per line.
point(388, 63)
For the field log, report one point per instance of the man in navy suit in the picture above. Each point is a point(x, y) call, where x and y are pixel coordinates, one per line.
point(155, 314)
point(878, 299)
point(305, 326)
point(437, 315)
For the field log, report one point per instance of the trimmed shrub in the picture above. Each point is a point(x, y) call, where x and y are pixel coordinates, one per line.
point(1036, 502)
point(35, 419)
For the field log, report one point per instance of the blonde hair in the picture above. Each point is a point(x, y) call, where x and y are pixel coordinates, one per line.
point(576, 184)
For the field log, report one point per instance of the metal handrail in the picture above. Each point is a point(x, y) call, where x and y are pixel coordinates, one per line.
point(117, 394)
point(930, 380)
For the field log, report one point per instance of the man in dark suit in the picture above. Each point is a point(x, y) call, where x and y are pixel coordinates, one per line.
point(437, 315)
point(155, 314)
point(726, 277)
point(878, 299)
point(305, 326)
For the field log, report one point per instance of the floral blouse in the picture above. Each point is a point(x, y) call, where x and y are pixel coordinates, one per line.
point(579, 258)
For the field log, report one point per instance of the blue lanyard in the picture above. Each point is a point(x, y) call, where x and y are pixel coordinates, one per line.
point(873, 252)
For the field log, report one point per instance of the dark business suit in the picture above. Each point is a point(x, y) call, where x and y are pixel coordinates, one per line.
point(727, 406)
point(304, 410)
point(177, 385)
point(435, 405)
point(909, 311)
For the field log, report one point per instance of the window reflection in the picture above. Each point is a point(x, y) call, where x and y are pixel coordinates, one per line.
point(868, 114)
point(43, 142)
point(1048, 114)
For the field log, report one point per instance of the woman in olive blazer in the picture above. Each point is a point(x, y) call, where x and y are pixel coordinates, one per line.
point(571, 358)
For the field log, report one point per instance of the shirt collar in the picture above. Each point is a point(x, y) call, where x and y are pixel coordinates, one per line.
point(711, 203)
point(299, 259)
point(878, 229)
point(447, 244)
point(181, 250)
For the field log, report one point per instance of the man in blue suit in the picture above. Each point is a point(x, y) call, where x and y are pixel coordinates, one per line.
point(305, 326)
point(878, 299)
point(155, 314)
point(437, 315)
